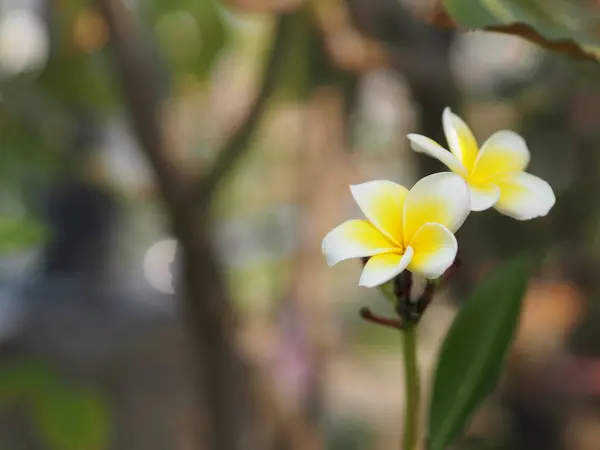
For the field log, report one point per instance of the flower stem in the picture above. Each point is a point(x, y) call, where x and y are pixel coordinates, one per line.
point(411, 375)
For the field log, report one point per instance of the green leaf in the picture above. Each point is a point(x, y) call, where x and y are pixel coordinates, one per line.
point(67, 418)
point(24, 143)
point(474, 350)
point(19, 233)
point(74, 419)
point(559, 25)
point(77, 73)
point(26, 380)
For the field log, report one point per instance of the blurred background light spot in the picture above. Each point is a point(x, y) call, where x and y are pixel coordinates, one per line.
point(12, 313)
point(480, 59)
point(381, 97)
point(129, 171)
point(90, 32)
point(23, 42)
point(158, 265)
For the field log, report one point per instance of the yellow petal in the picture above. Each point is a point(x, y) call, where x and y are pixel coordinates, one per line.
point(460, 139)
point(382, 203)
point(503, 153)
point(483, 196)
point(382, 268)
point(423, 144)
point(354, 239)
point(441, 198)
point(524, 196)
point(434, 248)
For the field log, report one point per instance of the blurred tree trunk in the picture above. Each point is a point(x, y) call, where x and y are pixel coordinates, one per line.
point(210, 319)
point(223, 382)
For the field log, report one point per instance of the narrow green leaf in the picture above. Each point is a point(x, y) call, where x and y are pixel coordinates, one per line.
point(474, 350)
point(19, 234)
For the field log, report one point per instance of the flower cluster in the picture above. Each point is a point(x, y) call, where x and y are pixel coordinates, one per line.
point(414, 229)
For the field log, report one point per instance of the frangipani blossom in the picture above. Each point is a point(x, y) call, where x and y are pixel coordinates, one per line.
point(404, 229)
point(495, 173)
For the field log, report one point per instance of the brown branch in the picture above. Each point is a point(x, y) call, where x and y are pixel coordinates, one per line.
point(426, 297)
point(237, 144)
point(370, 316)
point(141, 90)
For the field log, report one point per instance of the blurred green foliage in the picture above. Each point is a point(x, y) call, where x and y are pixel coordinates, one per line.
point(349, 435)
point(77, 73)
point(190, 34)
point(66, 418)
point(306, 65)
point(19, 233)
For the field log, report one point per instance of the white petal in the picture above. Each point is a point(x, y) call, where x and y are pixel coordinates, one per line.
point(382, 202)
point(503, 153)
point(423, 144)
point(354, 239)
point(460, 139)
point(524, 196)
point(435, 249)
point(382, 268)
point(484, 197)
point(440, 198)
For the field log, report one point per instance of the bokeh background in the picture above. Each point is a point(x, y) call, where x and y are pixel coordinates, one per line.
point(96, 350)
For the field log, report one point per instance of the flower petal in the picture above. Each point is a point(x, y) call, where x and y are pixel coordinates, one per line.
point(524, 196)
point(382, 268)
point(423, 144)
point(382, 203)
point(441, 198)
point(354, 239)
point(460, 139)
point(503, 153)
point(434, 248)
point(483, 196)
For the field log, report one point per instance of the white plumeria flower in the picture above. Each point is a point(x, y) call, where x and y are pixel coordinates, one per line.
point(404, 229)
point(495, 173)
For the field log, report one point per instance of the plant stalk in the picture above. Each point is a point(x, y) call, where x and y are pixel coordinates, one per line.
point(413, 389)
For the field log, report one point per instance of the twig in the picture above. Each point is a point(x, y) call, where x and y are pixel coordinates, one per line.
point(402, 290)
point(426, 297)
point(370, 316)
point(452, 269)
